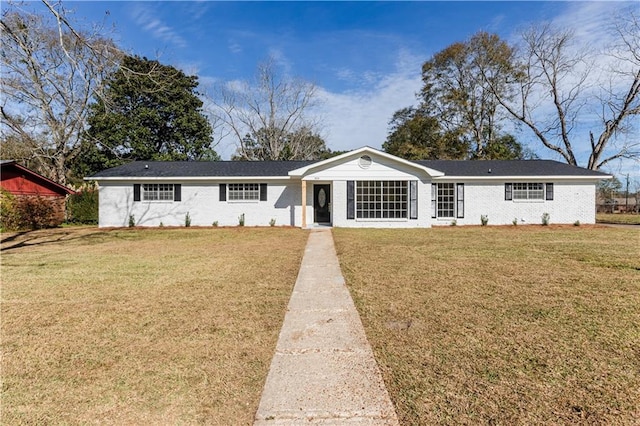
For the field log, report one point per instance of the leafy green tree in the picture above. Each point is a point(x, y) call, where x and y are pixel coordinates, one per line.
point(462, 84)
point(415, 135)
point(150, 112)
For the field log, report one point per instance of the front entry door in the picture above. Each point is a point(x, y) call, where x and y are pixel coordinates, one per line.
point(322, 203)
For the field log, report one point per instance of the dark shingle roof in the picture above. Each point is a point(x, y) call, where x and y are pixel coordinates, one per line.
point(203, 169)
point(524, 168)
point(169, 169)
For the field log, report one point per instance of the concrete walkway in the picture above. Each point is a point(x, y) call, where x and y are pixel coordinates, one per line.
point(323, 370)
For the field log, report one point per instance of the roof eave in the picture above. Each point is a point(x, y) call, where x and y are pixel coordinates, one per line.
point(300, 172)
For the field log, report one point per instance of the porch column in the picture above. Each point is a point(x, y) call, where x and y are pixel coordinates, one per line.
point(304, 203)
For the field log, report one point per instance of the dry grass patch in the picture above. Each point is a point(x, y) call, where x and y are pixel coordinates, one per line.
point(166, 326)
point(502, 325)
point(621, 218)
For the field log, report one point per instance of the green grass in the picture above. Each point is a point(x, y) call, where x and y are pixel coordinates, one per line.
point(501, 325)
point(164, 326)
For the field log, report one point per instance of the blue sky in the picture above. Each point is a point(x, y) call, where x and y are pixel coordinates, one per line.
point(365, 57)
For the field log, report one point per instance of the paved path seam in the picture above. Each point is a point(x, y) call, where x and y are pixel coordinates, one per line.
point(323, 370)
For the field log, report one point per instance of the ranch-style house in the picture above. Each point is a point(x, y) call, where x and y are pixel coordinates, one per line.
point(361, 188)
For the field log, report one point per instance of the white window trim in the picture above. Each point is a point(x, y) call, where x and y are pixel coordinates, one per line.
point(382, 219)
point(144, 191)
point(244, 191)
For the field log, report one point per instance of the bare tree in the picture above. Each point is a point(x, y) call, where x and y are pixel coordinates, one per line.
point(269, 119)
point(49, 77)
point(556, 83)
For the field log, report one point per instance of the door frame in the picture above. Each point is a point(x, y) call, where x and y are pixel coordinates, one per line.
point(327, 187)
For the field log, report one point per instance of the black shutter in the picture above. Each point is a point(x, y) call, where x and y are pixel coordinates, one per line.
point(351, 206)
point(549, 192)
point(177, 192)
point(263, 192)
point(460, 198)
point(434, 196)
point(508, 194)
point(223, 192)
point(136, 192)
point(413, 199)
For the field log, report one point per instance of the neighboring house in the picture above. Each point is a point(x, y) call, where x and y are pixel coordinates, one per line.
point(22, 182)
point(361, 188)
point(618, 204)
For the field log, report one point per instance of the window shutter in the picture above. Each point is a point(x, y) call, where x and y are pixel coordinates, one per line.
point(413, 199)
point(177, 192)
point(136, 192)
point(460, 197)
point(508, 193)
point(263, 192)
point(434, 194)
point(223, 192)
point(351, 207)
point(549, 192)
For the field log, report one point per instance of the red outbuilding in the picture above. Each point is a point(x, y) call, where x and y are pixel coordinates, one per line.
point(22, 182)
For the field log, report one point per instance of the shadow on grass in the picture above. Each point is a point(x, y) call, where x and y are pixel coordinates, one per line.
point(44, 236)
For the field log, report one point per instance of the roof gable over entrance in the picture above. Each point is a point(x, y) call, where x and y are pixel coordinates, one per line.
point(366, 162)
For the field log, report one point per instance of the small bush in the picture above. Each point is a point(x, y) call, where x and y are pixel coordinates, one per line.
point(215, 224)
point(545, 219)
point(515, 221)
point(82, 207)
point(241, 220)
point(454, 222)
point(187, 220)
point(484, 219)
point(576, 223)
point(29, 213)
point(272, 222)
point(8, 219)
point(132, 221)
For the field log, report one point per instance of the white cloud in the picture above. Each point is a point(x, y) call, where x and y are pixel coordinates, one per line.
point(144, 16)
point(358, 118)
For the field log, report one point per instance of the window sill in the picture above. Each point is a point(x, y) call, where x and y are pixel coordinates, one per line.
point(243, 201)
point(528, 201)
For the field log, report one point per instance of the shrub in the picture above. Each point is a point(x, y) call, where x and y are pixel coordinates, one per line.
point(7, 211)
point(484, 219)
point(576, 223)
point(272, 222)
point(515, 221)
point(187, 220)
point(82, 207)
point(132, 221)
point(215, 223)
point(454, 222)
point(29, 213)
point(545, 219)
point(241, 220)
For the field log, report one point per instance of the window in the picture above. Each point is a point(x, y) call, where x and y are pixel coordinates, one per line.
point(381, 199)
point(528, 191)
point(446, 200)
point(157, 192)
point(244, 191)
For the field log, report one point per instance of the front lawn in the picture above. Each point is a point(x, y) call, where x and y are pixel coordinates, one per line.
point(619, 218)
point(163, 326)
point(501, 325)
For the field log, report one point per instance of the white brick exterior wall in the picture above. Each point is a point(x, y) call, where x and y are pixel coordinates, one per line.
point(201, 201)
point(572, 201)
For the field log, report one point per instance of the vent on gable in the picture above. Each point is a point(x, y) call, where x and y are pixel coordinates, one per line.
point(365, 162)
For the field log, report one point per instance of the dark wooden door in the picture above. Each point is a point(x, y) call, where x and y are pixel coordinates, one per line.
point(322, 203)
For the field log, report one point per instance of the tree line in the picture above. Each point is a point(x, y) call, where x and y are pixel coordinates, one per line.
point(73, 103)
